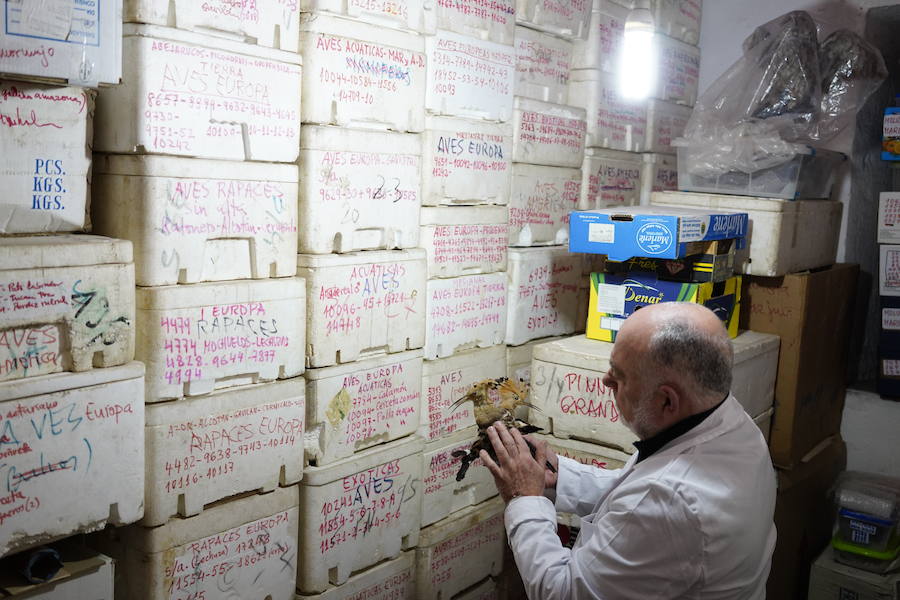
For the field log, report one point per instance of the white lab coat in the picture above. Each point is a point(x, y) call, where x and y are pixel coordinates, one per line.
point(693, 520)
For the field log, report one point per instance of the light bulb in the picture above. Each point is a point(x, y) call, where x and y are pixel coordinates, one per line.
point(638, 62)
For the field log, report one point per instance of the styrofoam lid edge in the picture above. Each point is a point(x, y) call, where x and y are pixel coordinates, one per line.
point(454, 439)
point(368, 257)
point(22, 389)
point(468, 358)
point(154, 165)
point(578, 351)
point(460, 521)
point(343, 139)
point(62, 250)
point(486, 214)
point(457, 124)
point(544, 171)
point(340, 26)
point(523, 103)
point(196, 295)
point(362, 365)
point(538, 252)
point(606, 154)
point(750, 344)
point(377, 455)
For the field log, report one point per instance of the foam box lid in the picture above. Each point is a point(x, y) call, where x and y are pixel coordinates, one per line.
point(764, 415)
point(741, 203)
point(347, 28)
point(63, 250)
point(360, 461)
point(550, 108)
point(19, 389)
point(750, 344)
point(152, 165)
point(541, 252)
point(219, 293)
point(360, 365)
point(475, 356)
point(447, 123)
point(584, 447)
point(342, 139)
point(577, 351)
point(368, 257)
point(667, 160)
point(582, 75)
point(457, 437)
point(519, 354)
point(461, 520)
point(602, 153)
point(464, 215)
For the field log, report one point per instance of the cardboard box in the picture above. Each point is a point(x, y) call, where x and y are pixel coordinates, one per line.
point(890, 140)
point(831, 579)
point(811, 311)
point(714, 263)
point(614, 297)
point(654, 232)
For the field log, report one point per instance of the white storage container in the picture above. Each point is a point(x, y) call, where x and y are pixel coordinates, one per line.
point(678, 74)
point(755, 366)
point(888, 217)
point(543, 63)
point(586, 453)
point(361, 190)
point(359, 512)
point(363, 303)
point(397, 14)
point(358, 405)
point(542, 292)
point(786, 236)
point(486, 590)
point(665, 122)
point(460, 551)
point(391, 580)
point(464, 240)
point(540, 201)
point(66, 304)
point(465, 161)
point(194, 220)
point(198, 338)
point(518, 359)
point(548, 134)
point(84, 574)
point(267, 23)
point(612, 122)
point(46, 150)
point(464, 312)
point(610, 178)
point(679, 19)
point(443, 494)
point(245, 548)
point(494, 21)
point(659, 173)
point(446, 380)
point(211, 447)
point(603, 46)
point(193, 95)
point(361, 75)
point(73, 454)
point(468, 77)
point(764, 422)
point(564, 18)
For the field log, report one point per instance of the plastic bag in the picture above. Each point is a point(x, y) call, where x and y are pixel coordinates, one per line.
point(875, 495)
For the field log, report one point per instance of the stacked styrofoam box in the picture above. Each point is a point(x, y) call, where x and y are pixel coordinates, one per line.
point(391, 580)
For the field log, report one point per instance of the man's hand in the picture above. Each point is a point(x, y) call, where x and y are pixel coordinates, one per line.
point(516, 473)
point(550, 476)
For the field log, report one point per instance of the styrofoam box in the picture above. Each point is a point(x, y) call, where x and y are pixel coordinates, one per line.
point(755, 366)
point(492, 21)
point(362, 75)
point(442, 493)
point(785, 236)
point(548, 134)
point(464, 312)
point(464, 240)
point(206, 336)
point(244, 548)
point(361, 190)
point(460, 551)
point(271, 23)
point(678, 18)
point(391, 580)
point(358, 512)
point(66, 304)
point(200, 220)
point(659, 173)
point(603, 46)
point(465, 161)
point(612, 122)
point(486, 590)
point(188, 94)
point(356, 406)
point(446, 380)
point(82, 434)
point(468, 77)
point(518, 359)
point(764, 422)
point(397, 14)
point(665, 122)
point(567, 19)
point(610, 178)
point(227, 443)
point(363, 304)
point(84, 574)
point(46, 146)
point(888, 217)
point(543, 63)
point(540, 201)
point(542, 291)
point(678, 67)
point(586, 453)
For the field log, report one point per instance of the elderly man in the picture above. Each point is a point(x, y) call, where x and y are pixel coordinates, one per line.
point(690, 514)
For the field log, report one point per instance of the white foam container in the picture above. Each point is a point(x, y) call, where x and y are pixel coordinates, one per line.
point(486, 590)
point(548, 134)
point(208, 336)
point(245, 548)
point(465, 161)
point(363, 304)
point(540, 201)
point(460, 551)
point(679, 19)
point(200, 220)
point(446, 380)
point(888, 217)
point(66, 304)
point(567, 19)
point(678, 66)
point(207, 448)
point(83, 434)
point(46, 146)
point(543, 63)
point(603, 46)
point(491, 21)
point(464, 240)
point(469, 77)
point(361, 190)
point(659, 173)
point(586, 453)
point(444, 495)
point(610, 178)
point(358, 405)
point(411, 15)
point(612, 122)
point(764, 422)
point(464, 312)
point(755, 366)
point(359, 512)
point(194, 95)
point(665, 122)
point(518, 359)
point(269, 23)
point(363, 75)
point(542, 293)
point(391, 580)
point(785, 236)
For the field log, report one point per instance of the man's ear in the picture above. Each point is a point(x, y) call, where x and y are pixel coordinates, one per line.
point(671, 399)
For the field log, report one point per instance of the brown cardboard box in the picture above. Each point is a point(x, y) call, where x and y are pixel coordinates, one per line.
point(804, 518)
point(811, 311)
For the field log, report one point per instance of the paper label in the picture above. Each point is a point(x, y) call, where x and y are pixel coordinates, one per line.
point(611, 298)
point(55, 20)
point(890, 271)
point(890, 368)
point(611, 323)
point(890, 319)
point(602, 233)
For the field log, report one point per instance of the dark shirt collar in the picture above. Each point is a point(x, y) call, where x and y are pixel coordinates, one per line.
point(650, 446)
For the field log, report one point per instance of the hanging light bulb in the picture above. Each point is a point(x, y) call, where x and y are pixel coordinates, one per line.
point(637, 68)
